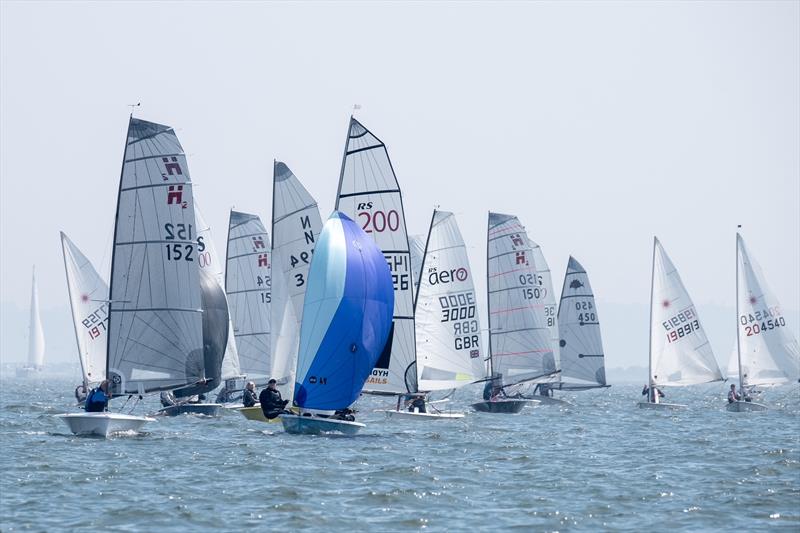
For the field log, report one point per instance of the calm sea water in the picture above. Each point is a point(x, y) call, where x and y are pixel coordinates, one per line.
point(602, 464)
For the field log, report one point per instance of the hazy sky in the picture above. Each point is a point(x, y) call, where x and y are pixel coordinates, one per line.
point(598, 124)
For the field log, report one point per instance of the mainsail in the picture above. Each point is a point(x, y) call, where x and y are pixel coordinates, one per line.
point(249, 287)
point(582, 359)
point(155, 331)
point(35, 331)
point(296, 225)
point(768, 352)
point(519, 340)
point(370, 195)
point(546, 299)
point(448, 326)
point(209, 260)
point(347, 316)
point(88, 299)
point(680, 353)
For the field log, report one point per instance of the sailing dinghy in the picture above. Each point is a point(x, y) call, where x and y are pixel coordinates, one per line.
point(520, 344)
point(680, 354)
point(767, 352)
point(157, 317)
point(448, 332)
point(347, 317)
point(581, 345)
point(35, 336)
point(88, 298)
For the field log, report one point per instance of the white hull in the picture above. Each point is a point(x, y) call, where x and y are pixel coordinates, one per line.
point(411, 415)
point(662, 406)
point(102, 424)
point(314, 425)
point(745, 407)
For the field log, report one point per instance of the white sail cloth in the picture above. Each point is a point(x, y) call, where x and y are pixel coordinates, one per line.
point(35, 331)
point(769, 352)
point(448, 326)
point(296, 225)
point(582, 358)
point(155, 331)
point(680, 353)
point(88, 299)
point(520, 343)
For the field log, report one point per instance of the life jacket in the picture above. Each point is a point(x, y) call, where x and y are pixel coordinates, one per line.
point(95, 403)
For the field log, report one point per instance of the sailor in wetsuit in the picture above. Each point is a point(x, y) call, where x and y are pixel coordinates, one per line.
point(97, 399)
point(416, 402)
point(272, 404)
point(249, 396)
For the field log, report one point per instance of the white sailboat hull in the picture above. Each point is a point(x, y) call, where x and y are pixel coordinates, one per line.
point(103, 424)
point(662, 406)
point(314, 425)
point(415, 415)
point(745, 407)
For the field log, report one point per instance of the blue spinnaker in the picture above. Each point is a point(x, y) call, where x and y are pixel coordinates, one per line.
point(347, 316)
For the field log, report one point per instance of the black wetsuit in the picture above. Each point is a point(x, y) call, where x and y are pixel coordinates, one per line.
point(249, 398)
point(419, 404)
point(272, 404)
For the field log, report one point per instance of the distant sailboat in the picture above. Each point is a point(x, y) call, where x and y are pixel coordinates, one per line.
point(347, 316)
point(680, 353)
point(767, 352)
point(248, 283)
point(520, 343)
point(448, 332)
point(370, 194)
point(582, 358)
point(35, 335)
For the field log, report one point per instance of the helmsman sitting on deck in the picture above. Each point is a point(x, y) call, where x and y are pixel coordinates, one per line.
point(97, 399)
point(272, 404)
point(733, 396)
point(415, 402)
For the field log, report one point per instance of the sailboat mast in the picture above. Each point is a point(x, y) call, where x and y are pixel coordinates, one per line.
point(650, 394)
point(738, 341)
point(114, 246)
point(488, 297)
point(344, 161)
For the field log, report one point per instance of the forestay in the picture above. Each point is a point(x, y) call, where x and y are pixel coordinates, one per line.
point(769, 351)
point(448, 326)
point(519, 339)
point(296, 225)
point(347, 316)
point(210, 261)
point(155, 322)
point(35, 331)
point(582, 359)
point(88, 299)
point(370, 195)
point(249, 288)
point(680, 353)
